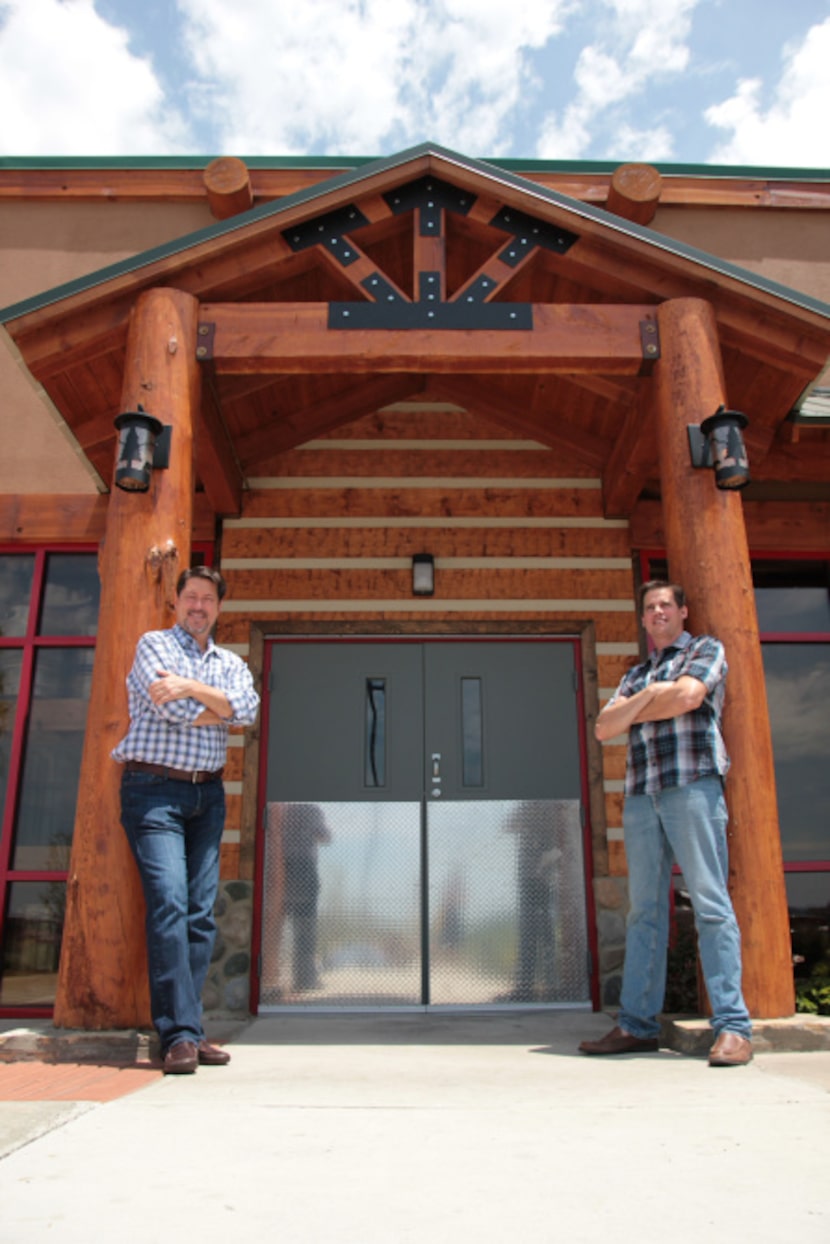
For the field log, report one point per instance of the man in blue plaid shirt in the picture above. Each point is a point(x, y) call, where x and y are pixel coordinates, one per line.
point(671, 705)
point(184, 692)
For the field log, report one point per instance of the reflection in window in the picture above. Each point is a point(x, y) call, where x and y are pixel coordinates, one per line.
point(808, 897)
point(54, 743)
point(71, 595)
point(10, 662)
point(16, 572)
point(792, 596)
point(32, 943)
point(374, 766)
point(472, 735)
point(798, 690)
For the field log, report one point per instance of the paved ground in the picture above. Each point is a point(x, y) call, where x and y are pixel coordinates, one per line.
point(359, 1129)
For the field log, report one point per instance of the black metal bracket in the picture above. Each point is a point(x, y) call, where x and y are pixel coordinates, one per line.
point(650, 339)
point(479, 291)
point(205, 334)
point(700, 453)
point(396, 314)
point(380, 290)
point(650, 343)
point(330, 231)
point(528, 232)
point(429, 196)
point(161, 449)
point(429, 287)
point(391, 311)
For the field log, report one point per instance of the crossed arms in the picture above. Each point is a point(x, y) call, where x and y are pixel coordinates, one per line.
point(658, 701)
point(169, 687)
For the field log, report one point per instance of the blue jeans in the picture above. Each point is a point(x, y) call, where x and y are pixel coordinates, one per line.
point(686, 824)
point(174, 830)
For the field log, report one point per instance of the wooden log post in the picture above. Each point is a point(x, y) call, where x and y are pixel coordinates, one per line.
point(102, 981)
point(634, 192)
point(228, 185)
point(707, 550)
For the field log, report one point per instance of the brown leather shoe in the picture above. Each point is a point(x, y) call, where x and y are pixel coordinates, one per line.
point(730, 1050)
point(181, 1059)
point(212, 1056)
point(618, 1041)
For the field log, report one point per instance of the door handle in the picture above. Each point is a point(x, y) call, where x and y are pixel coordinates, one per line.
point(436, 774)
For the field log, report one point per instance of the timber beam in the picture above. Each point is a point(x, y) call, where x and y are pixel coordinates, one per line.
point(267, 338)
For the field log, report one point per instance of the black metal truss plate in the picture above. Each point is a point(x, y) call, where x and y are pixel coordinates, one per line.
point(379, 289)
point(430, 195)
point(329, 231)
point(429, 287)
point(397, 315)
point(529, 232)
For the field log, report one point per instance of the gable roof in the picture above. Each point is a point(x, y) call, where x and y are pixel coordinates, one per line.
point(775, 340)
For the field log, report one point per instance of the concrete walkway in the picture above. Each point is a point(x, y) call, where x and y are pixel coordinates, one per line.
point(362, 1129)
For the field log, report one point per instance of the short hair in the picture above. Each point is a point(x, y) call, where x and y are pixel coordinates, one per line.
point(652, 585)
point(202, 572)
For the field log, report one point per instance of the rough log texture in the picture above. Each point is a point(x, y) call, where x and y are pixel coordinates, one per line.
point(634, 192)
point(228, 186)
point(103, 974)
point(707, 550)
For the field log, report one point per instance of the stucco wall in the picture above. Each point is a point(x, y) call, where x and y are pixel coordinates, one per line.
point(45, 245)
point(790, 247)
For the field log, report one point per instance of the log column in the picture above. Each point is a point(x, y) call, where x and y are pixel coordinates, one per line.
point(102, 979)
point(708, 553)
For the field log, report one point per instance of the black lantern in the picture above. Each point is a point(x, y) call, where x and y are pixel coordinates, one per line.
point(423, 575)
point(140, 436)
point(718, 443)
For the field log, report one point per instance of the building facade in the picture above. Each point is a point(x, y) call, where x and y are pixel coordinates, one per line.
point(431, 418)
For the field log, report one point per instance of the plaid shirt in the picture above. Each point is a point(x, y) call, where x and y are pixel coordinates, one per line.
point(681, 749)
point(162, 734)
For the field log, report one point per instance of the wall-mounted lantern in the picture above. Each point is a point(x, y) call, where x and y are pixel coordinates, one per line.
point(718, 443)
point(143, 445)
point(423, 574)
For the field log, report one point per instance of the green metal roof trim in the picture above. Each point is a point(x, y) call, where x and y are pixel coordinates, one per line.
point(515, 164)
point(354, 177)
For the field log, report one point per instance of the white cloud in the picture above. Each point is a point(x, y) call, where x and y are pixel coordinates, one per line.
point(362, 76)
point(654, 143)
point(642, 41)
point(793, 130)
point(70, 85)
point(365, 77)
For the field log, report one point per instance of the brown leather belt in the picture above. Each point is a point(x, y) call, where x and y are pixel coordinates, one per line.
point(194, 776)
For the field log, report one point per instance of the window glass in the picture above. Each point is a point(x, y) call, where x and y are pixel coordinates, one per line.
point(10, 662)
point(32, 943)
point(798, 691)
point(472, 735)
point(16, 573)
point(808, 896)
point(792, 595)
point(794, 609)
point(71, 595)
point(54, 743)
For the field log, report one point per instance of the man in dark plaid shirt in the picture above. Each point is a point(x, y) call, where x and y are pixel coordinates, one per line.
point(671, 705)
point(184, 693)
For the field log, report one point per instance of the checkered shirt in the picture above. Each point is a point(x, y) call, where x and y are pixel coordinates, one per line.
point(681, 749)
point(164, 734)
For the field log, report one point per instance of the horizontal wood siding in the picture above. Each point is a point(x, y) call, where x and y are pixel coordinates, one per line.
point(516, 530)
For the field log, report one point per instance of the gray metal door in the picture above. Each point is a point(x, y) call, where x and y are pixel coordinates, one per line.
point(423, 837)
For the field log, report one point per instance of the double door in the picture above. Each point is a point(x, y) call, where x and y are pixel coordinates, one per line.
point(423, 838)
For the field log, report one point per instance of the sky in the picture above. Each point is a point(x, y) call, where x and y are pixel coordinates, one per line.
point(736, 82)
